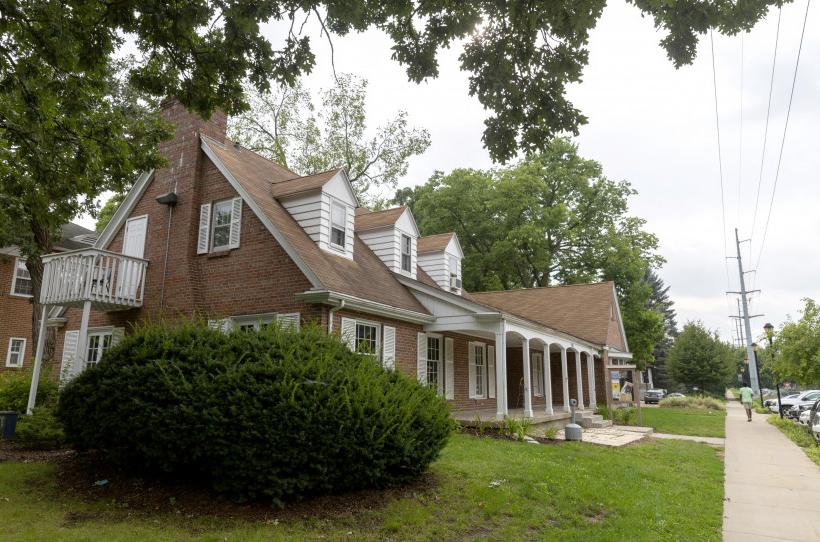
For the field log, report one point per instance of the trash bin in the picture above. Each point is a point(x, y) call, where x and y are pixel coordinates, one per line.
point(8, 423)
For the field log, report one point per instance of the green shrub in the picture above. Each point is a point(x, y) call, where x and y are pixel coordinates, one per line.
point(623, 416)
point(551, 433)
point(276, 414)
point(14, 388)
point(603, 411)
point(699, 401)
point(42, 430)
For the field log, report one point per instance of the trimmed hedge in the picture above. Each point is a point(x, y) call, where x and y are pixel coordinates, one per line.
point(275, 414)
point(699, 401)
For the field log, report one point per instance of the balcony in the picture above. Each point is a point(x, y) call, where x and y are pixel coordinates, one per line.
point(109, 281)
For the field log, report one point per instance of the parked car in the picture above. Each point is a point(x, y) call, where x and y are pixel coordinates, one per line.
point(804, 400)
point(676, 394)
point(768, 403)
point(804, 417)
point(814, 422)
point(652, 396)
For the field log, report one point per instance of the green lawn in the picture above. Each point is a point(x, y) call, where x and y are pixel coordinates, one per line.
point(685, 421)
point(486, 490)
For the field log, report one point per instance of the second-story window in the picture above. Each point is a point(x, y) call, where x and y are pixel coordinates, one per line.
point(406, 247)
point(222, 224)
point(21, 285)
point(338, 224)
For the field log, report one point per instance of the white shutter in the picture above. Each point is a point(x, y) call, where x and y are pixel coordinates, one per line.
point(69, 354)
point(449, 390)
point(491, 371)
point(288, 321)
point(421, 358)
point(236, 222)
point(117, 335)
point(389, 347)
point(471, 371)
point(204, 229)
point(225, 324)
point(349, 332)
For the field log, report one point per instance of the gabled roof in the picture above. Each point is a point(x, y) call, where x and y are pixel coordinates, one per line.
point(370, 220)
point(434, 243)
point(297, 185)
point(72, 236)
point(582, 310)
point(365, 276)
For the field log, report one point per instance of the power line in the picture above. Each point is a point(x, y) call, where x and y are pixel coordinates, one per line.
point(740, 145)
point(766, 130)
point(783, 140)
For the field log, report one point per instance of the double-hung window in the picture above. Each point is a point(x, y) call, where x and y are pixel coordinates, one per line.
point(367, 338)
point(434, 366)
point(21, 284)
point(221, 236)
point(406, 248)
point(455, 279)
point(538, 375)
point(479, 388)
point(98, 343)
point(338, 224)
point(16, 353)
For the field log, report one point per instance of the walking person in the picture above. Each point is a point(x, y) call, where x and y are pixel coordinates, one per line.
point(746, 395)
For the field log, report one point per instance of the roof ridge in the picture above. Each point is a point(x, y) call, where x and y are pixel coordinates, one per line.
point(551, 287)
point(303, 176)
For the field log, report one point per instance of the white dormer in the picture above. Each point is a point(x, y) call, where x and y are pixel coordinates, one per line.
point(440, 257)
point(392, 235)
point(324, 205)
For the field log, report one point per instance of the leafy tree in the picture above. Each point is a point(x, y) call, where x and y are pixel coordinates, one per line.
point(108, 209)
point(698, 358)
point(797, 347)
point(660, 302)
point(287, 127)
point(553, 218)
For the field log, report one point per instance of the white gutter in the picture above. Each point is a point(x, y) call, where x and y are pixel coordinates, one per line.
point(330, 314)
point(364, 305)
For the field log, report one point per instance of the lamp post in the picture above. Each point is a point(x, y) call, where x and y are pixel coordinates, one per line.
point(757, 372)
point(769, 330)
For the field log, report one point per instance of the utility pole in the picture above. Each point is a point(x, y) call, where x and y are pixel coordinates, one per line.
point(747, 327)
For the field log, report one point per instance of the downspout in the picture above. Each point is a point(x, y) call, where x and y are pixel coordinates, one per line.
point(330, 314)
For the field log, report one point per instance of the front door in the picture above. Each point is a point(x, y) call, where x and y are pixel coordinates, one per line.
point(133, 244)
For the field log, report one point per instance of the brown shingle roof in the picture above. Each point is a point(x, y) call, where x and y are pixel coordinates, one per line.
point(434, 243)
point(378, 219)
point(365, 276)
point(297, 185)
point(581, 310)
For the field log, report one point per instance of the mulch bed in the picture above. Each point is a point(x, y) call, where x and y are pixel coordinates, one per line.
point(496, 433)
point(86, 476)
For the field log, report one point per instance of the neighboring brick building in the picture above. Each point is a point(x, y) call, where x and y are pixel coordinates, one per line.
point(15, 298)
point(229, 235)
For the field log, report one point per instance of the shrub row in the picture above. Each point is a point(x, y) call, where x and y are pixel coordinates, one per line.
point(702, 402)
point(275, 414)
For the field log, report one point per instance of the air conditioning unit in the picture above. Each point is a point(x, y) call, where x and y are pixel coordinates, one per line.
point(455, 283)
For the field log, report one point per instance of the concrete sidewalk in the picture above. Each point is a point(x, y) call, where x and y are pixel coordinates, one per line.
point(772, 488)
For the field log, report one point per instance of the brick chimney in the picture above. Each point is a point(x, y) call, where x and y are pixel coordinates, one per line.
point(183, 177)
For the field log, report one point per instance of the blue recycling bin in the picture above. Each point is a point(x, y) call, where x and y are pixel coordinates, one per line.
point(8, 423)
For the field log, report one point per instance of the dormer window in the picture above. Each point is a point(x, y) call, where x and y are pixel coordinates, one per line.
point(455, 279)
point(406, 252)
point(338, 224)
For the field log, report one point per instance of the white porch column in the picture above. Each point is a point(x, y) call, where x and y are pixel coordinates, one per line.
point(565, 377)
point(591, 378)
point(500, 373)
point(579, 380)
point(547, 380)
point(38, 361)
point(82, 341)
point(525, 356)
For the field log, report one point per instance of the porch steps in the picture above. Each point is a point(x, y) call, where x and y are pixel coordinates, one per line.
point(588, 419)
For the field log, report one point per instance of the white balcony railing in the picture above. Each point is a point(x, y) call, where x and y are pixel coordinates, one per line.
point(110, 281)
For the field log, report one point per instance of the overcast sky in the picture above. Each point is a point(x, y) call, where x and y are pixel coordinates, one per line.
point(655, 126)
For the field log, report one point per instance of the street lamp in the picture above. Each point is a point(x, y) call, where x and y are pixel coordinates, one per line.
point(769, 330)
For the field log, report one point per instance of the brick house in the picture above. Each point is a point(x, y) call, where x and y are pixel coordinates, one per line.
point(227, 234)
point(15, 297)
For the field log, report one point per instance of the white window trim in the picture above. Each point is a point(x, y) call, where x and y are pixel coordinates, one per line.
point(213, 246)
point(537, 362)
point(22, 357)
point(330, 243)
point(14, 279)
point(440, 383)
point(378, 325)
point(486, 365)
point(257, 320)
point(100, 332)
point(409, 253)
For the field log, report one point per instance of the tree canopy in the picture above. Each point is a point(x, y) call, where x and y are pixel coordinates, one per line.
point(286, 126)
point(552, 218)
point(660, 302)
point(698, 358)
point(797, 347)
